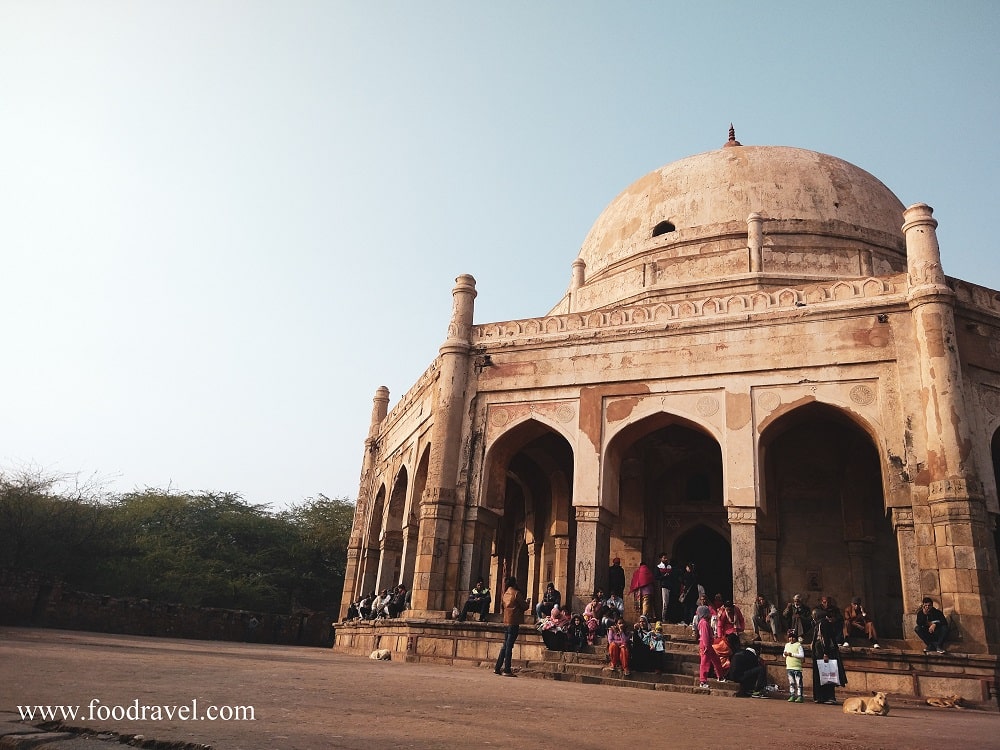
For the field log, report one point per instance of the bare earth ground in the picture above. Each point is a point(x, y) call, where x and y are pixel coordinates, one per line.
point(308, 698)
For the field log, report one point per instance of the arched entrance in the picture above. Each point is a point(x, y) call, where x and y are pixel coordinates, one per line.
point(670, 498)
point(529, 488)
point(826, 519)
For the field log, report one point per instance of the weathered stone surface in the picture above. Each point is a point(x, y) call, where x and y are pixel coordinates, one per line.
point(759, 350)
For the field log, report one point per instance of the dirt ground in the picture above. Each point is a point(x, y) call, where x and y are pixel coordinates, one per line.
point(307, 698)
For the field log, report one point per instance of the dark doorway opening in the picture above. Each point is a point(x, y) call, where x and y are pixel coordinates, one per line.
point(712, 556)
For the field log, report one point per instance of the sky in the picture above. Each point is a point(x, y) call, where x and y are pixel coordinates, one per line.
point(223, 225)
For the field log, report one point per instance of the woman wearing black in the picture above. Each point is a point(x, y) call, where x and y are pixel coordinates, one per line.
point(826, 637)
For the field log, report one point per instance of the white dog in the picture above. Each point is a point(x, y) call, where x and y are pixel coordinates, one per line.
point(381, 654)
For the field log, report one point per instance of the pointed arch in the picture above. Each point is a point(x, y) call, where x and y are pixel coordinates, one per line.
point(527, 487)
point(411, 523)
point(663, 476)
point(826, 515)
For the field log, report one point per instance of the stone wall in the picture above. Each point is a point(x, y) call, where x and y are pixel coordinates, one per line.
point(37, 600)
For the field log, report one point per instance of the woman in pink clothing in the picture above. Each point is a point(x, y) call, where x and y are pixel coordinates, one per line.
point(618, 639)
point(708, 654)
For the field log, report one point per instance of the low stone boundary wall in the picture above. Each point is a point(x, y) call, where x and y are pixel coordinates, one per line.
point(36, 600)
point(897, 671)
point(436, 641)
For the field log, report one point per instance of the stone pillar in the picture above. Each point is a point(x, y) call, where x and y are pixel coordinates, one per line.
point(755, 242)
point(354, 573)
point(437, 506)
point(767, 570)
point(966, 558)
point(743, 538)
point(481, 525)
point(593, 551)
point(390, 548)
point(561, 575)
point(909, 569)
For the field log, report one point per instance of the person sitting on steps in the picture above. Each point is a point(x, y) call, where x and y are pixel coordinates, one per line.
point(932, 627)
point(479, 601)
point(856, 619)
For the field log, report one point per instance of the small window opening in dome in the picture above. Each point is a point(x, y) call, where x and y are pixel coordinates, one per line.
point(662, 228)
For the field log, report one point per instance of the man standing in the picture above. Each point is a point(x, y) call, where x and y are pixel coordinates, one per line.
point(616, 577)
point(932, 627)
point(665, 577)
point(513, 616)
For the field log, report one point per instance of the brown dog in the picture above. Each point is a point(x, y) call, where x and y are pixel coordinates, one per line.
point(947, 701)
point(876, 705)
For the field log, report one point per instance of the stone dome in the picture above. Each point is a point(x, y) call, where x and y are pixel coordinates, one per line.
point(702, 203)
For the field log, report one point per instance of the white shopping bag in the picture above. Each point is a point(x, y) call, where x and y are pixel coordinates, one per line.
point(828, 672)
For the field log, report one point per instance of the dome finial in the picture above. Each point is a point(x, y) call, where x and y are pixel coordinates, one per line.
point(732, 138)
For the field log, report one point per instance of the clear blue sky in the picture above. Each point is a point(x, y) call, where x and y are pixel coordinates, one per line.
point(224, 224)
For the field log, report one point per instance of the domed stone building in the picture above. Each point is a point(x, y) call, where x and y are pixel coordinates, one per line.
point(759, 367)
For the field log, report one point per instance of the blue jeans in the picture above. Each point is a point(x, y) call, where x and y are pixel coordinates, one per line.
point(507, 650)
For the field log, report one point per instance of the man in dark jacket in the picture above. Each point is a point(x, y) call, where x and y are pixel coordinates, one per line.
point(616, 577)
point(479, 601)
point(551, 598)
point(746, 669)
point(932, 626)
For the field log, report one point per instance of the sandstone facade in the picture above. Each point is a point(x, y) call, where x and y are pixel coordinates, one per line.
point(759, 366)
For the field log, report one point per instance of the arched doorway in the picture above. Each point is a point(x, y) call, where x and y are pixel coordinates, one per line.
point(826, 519)
point(529, 488)
point(670, 498)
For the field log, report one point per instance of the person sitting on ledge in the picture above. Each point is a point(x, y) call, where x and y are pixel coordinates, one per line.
point(932, 627)
point(856, 619)
point(479, 601)
point(553, 628)
point(551, 598)
point(397, 603)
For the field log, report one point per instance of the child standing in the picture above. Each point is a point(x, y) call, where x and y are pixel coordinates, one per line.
point(794, 654)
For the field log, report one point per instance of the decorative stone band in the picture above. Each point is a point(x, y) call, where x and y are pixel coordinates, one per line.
point(946, 512)
point(594, 514)
point(635, 318)
point(560, 542)
point(392, 542)
point(955, 488)
point(438, 504)
point(902, 518)
point(742, 515)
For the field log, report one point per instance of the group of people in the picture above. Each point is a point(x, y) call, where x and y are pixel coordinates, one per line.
point(717, 624)
point(679, 589)
point(387, 604)
point(853, 620)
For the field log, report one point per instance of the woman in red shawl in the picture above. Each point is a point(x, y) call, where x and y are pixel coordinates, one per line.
point(642, 589)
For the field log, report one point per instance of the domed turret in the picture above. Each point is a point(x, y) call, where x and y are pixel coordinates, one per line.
point(686, 224)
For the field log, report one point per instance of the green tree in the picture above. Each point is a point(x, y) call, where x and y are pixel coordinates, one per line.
point(323, 527)
point(206, 549)
point(54, 524)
